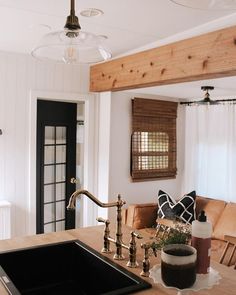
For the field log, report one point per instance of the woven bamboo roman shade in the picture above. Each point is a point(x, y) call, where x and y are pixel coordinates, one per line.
point(153, 141)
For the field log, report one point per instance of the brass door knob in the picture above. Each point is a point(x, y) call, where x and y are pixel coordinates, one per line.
point(74, 180)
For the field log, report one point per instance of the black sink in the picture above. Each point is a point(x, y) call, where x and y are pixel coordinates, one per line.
point(68, 268)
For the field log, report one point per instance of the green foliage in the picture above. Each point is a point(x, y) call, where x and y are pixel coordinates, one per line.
point(175, 237)
point(180, 234)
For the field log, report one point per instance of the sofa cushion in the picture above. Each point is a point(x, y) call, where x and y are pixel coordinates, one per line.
point(141, 215)
point(184, 208)
point(124, 212)
point(212, 208)
point(226, 224)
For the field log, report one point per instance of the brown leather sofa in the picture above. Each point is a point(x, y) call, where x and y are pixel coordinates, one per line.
point(221, 214)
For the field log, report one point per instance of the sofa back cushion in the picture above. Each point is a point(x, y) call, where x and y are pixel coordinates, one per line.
point(226, 224)
point(141, 215)
point(213, 208)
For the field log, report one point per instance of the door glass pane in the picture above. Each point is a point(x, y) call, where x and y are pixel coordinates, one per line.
point(48, 228)
point(60, 191)
point(49, 134)
point(80, 132)
point(60, 173)
point(60, 135)
point(54, 171)
point(49, 154)
point(60, 225)
point(60, 210)
point(49, 213)
point(61, 154)
point(48, 193)
point(48, 174)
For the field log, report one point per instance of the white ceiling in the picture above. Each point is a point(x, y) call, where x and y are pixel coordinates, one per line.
point(224, 88)
point(128, 24)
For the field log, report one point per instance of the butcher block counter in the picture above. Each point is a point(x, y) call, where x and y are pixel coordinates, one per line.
point(93, 237)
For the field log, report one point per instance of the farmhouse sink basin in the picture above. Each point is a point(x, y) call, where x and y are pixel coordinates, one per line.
point(68, 268)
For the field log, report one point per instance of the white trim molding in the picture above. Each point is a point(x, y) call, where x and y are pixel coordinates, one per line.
point(104, 151)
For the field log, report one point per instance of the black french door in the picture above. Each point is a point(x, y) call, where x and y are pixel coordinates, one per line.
point(56, 165)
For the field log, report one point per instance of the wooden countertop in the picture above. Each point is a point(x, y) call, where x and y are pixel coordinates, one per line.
point(93, 236)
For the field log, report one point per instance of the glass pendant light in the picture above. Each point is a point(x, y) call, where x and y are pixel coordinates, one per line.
point(208, 4)
point(72, 45)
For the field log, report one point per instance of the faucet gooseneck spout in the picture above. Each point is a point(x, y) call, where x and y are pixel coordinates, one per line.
point(118, 204)
point(77, 193)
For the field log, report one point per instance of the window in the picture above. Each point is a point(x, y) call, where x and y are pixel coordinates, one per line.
point(153, 140)
point(210, 158)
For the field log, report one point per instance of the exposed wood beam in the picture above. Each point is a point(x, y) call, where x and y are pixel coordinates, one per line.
point(207, 56)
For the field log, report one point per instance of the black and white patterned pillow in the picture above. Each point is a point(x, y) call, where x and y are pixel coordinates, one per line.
point(183, 209)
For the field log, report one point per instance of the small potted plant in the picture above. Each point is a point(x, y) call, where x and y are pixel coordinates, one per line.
point(179, 234)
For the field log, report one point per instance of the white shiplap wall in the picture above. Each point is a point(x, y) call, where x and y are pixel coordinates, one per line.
point(19, 74)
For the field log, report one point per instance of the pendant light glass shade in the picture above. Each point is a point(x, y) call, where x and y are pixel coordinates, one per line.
point(72, 45)
point(84, 48)
point(208, 4)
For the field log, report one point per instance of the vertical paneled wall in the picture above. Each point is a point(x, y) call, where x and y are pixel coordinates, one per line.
point(19, 74)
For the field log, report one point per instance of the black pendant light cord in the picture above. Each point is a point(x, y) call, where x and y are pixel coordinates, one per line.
point(72, 7)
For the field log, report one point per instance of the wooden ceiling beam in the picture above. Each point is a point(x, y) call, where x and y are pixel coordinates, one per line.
point(212, 55)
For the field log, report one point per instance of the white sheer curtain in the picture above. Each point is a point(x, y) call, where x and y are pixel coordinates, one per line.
point(210, 151)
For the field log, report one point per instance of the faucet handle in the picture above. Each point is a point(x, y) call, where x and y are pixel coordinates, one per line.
point(100, 219)
point(146, 261)
point(136, 235)
point(106, 246)
point(146, 245)
point(133, 249)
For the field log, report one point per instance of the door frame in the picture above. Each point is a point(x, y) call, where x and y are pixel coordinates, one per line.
point(90, 148)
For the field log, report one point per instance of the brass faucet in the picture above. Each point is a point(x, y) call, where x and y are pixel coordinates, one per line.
point(119, 203)
point(131, 247)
